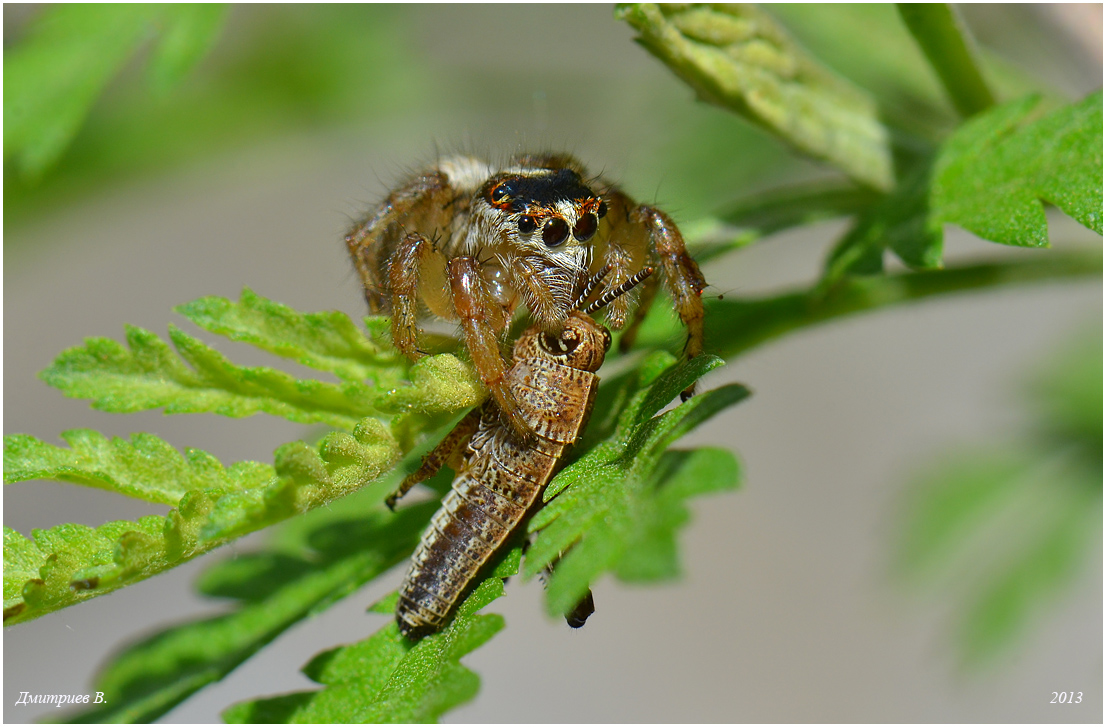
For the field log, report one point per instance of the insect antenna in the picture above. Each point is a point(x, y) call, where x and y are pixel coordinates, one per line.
point(626, 287)
point(592, 284)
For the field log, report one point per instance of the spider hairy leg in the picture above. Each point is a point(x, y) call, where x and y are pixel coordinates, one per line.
point(627, 250)
point(414, 255)
point(479, 315)
point(450, 451)
point(372, 241)
point(685, 281)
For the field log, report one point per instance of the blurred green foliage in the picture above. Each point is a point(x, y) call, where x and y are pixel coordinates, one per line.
point(71, 52)
point(1006, 528)
point(277, 69)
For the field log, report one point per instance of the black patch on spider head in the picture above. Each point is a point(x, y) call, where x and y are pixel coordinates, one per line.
point(558, 185)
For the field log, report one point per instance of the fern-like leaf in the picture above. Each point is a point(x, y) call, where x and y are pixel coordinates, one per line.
point(71, 563)
point(147, 375)
point(146, 468)
point(326, 341)
point(992, 174)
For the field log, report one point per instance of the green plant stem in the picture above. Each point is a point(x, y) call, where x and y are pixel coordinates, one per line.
point(944, 40)
point(735, 326)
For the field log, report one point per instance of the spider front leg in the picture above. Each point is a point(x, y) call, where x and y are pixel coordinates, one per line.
point(414, 255)
point(482, 318)
point(639, 231)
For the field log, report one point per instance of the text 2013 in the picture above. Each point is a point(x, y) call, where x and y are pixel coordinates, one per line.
point(1066, 697)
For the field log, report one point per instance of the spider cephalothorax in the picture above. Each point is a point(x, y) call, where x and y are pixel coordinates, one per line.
point(473, 242)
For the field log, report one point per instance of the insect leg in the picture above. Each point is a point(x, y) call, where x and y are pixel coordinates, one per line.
point(584, 608)
point(578, 616)
point(475, 310)
point(447, 452)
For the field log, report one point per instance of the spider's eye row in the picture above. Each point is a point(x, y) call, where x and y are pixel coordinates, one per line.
point(554, 232)
point(602, 210)
point(527, 224)
point(585, 227)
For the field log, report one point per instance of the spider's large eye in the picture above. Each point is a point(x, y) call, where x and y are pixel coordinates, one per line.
point(501, 192)
point(585, 227)
point(554, 232)
point(527, 224)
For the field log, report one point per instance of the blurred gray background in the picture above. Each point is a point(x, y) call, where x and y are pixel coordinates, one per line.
point(787, 611)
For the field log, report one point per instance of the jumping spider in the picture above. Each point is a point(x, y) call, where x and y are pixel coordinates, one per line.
point(473, 242)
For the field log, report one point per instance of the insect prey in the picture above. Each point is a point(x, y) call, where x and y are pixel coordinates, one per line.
point(500, 474)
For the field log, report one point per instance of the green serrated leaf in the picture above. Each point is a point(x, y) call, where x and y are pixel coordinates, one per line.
point(327, 341)
point(739, 58)
point(626, 493)
point(992, 174)
point(77, 562)
point(386, 678)
point(147, 467)
point(147, 375)
point(152, 676)
point(652, 553)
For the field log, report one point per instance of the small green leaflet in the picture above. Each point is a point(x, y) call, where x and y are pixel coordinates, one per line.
point(992, 174)
point(386, 678)
point(146, 468)
point(327, 341)
point(618, 507)
point(147, 375)
point(738, 57)
point(71, 563)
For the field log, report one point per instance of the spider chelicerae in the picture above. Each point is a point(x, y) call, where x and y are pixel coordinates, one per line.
point(472, 242)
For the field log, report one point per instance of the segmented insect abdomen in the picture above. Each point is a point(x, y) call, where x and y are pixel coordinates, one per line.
point(487, 501)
